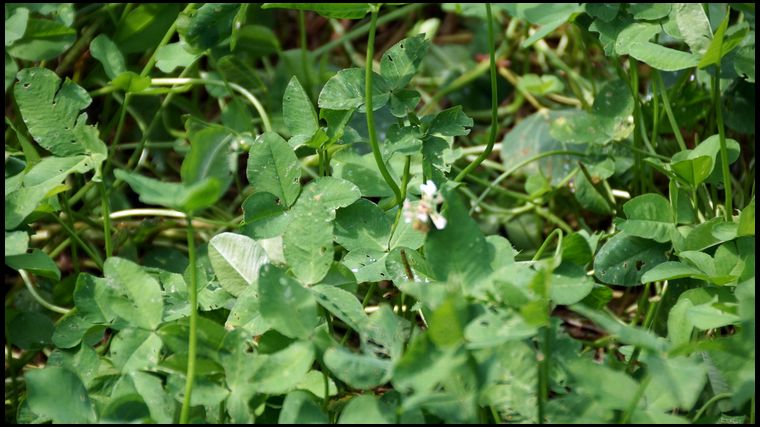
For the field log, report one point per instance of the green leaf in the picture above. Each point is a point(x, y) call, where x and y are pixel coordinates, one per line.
point(11, 68)
point(207, 26)
point(694, 26)
point(607, 121)
point(399, 63)
point(603, 385)
point(744, 63)
point(492, 329)
point(624, 259)
point(450, 122)
point(51, 113)
point(709, 316)
point(385, 333)
point(307, 242)
point(649, 11)
point(30, 331)
point(145, 25)
point(365, 409)
point(423, 365)
point(255, 41)
point(137, 295)
point(746, 221)
point(345, 91)
point(298, 111)
point(15, 25)
point(671, 270)
point(273, 167)
point(286, 304)
point(622, 332)
point(458, 253)
point(341, 304)
point(43, 40)
point(301, 407)
point(236, 260)
point(576, 249)
point(186, 198)
point(107, 52)
point(661, 57)
point(362, 225)
point(58, 394)
point(328, 10)
point(604, 11)
point(368, 265)
point(131, 82)
point(722, 43)
point(135, 349)
point(356, 370)
point(127, 408)
point(676, 382)
point(208, 157)
point(692, 169)
point(264, 216)
point(404, 101)
point(447, 322)
point(649, 216)
point(541, 85)
point(173, 55)
point(570, 284)
point(16, 243)
point(281, 372)
point(84, 362)
point(36, 262)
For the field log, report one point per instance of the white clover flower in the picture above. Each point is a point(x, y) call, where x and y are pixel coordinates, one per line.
point(417, 213)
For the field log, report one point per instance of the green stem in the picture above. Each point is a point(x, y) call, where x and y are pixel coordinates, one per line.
point(635, 400)
point(106, 212)
point(185, 412)
point(707, 404)
point(304, 53)
point(544, 245)
point(164, 41)
point(404, 185)
point(543, 374)
point(371, 115)
point(669, 109)
point(518, 166)
point(91, 252)
point(494, 102)
point(728, 211)
point(353, 34)
point(38, 298)
point(637, 140)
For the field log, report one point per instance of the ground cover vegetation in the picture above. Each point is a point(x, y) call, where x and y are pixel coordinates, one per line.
point(303, 212)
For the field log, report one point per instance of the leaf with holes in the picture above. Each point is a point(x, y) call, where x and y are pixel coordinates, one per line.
point(51, 112)
point(624, 259)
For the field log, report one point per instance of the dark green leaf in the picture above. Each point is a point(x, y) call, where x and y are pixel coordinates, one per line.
point(624, 259)
point(36, 262)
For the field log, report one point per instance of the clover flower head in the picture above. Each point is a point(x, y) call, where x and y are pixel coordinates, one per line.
point(417, 213)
